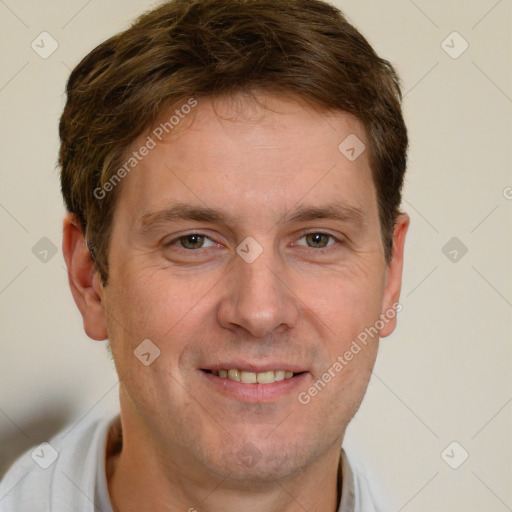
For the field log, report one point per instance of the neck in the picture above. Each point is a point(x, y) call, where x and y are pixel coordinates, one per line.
point(143, 475)
point(137, 480)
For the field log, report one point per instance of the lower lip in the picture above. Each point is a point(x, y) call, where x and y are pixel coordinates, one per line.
point(255, 393)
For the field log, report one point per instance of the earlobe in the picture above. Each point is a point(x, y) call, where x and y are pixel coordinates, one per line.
point(83, 279)
point(391, 305)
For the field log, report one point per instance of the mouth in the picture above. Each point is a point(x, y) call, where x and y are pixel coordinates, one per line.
point(249, 377)
point(251, 384)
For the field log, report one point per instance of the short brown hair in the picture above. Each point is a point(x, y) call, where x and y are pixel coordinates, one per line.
point(213, 48)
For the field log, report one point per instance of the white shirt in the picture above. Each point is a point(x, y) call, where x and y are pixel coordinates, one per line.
point(75, 481)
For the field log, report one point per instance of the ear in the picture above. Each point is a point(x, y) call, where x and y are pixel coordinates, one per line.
point(83, 278)
point(390, 305)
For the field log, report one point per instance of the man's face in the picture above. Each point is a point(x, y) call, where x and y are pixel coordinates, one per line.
point(297, 306)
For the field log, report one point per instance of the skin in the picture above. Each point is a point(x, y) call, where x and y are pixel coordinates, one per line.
point(299, 301)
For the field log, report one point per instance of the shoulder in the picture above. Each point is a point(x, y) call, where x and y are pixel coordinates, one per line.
point(59, 475)
point(360, 490)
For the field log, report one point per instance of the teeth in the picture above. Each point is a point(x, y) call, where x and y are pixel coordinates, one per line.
point(248, 377)
point(252, 377)
point(234, 375)
point(279, 375)
point(266, 377)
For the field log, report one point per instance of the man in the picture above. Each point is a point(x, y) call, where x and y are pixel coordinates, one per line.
point(232, 173)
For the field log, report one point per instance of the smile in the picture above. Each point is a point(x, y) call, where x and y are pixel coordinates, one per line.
point(248, 377)
point(255, 383)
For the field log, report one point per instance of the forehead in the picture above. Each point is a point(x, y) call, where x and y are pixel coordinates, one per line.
point(248, 155)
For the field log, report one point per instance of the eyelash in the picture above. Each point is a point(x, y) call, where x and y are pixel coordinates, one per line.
point(326, 249)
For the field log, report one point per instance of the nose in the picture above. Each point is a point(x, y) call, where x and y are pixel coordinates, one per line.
point(257, 297)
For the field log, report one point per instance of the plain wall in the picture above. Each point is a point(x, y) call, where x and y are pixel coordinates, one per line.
point(444, 375)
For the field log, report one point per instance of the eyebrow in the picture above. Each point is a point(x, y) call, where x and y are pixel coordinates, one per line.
point(301, 213)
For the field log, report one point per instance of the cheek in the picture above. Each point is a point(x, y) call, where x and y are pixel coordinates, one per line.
point(149, 302)
point(347, 307)
point(347, 301)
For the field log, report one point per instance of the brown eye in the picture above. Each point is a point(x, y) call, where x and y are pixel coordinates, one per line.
point(192, 241)
point(317, 240)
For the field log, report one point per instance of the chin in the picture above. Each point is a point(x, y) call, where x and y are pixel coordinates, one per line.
point(261, 461)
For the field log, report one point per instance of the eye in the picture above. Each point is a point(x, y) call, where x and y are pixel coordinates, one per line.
point(194, 241)
point(191, 241)
point(318, 240)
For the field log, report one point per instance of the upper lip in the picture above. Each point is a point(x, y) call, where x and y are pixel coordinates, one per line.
point(255, 367)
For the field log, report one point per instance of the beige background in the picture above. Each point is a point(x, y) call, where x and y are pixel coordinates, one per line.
point(446, 373)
